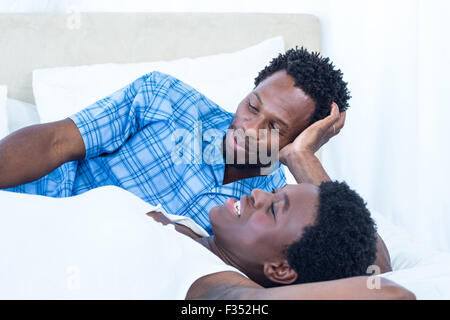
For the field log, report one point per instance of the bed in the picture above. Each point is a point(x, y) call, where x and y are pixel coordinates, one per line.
point(41, 52)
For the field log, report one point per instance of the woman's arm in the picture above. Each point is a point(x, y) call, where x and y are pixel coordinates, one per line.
point(232, 285)
point(383, 260)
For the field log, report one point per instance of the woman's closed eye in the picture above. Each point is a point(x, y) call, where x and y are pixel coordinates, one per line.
point(252, 108)
point(272, 209)
point(272, 206)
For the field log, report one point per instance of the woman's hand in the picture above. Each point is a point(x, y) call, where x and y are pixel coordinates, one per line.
point(161, 218)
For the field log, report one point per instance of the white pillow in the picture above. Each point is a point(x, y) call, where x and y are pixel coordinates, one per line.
point(3, 113)
point(224, 78)
point(20, 114)
point(405, 250)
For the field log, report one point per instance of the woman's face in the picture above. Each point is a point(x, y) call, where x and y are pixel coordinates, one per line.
point(267, 224)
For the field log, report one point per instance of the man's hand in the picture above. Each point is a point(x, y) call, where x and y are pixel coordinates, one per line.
point(299, 156)
point(315, 136)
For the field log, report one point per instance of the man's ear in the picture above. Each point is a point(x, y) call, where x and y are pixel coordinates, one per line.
point(280, 272)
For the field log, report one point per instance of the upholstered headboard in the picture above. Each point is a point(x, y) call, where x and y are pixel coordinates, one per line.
point(36, 40)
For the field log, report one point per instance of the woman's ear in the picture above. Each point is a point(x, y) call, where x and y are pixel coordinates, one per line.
point(280, 272)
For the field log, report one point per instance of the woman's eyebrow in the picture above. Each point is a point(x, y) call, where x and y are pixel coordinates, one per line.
point(286, 202)
point(258, 97)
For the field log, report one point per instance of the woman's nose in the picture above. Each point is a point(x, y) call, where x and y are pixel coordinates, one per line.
point(260, 197)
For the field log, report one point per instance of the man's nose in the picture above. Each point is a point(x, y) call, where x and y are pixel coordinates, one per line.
point(252, 127)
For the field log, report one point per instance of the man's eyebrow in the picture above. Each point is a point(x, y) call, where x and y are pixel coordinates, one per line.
point(283, 123)
point(278, 119)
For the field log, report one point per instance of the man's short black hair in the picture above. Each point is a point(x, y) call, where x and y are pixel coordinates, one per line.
point(315, 75)
point(342, 241)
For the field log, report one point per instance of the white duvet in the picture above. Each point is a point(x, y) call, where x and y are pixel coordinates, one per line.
point(97, 245)
point(111, 216)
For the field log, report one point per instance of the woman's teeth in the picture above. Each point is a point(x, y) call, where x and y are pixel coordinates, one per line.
point(237, 207)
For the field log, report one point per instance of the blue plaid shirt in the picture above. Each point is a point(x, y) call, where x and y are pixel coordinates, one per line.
point(131, 138)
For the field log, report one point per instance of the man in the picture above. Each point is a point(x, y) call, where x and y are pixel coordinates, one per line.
point(300, 242)
point(127, 139)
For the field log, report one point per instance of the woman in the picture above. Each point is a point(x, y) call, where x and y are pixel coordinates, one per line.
point(102, 245)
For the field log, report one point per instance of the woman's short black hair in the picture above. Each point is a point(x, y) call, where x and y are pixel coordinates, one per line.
point(342, 241)
point(315, 75)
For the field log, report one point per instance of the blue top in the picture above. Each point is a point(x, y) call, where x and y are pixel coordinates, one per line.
point(143, 138)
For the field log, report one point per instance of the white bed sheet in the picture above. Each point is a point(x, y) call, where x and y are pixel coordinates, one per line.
point(423, 270)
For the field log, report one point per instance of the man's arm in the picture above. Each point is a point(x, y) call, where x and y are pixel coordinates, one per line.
point(306, 167)
point(299, 156)
point(231, 285)
point(32, 152)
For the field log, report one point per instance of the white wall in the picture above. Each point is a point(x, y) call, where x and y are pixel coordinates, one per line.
point(167, 5)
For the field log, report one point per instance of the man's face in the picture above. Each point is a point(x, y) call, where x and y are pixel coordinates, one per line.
point(268, 222)
point(274, 104)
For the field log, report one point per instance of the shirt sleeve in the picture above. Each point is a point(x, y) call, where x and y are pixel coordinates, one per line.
point(108, 123)
point(278, 178)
